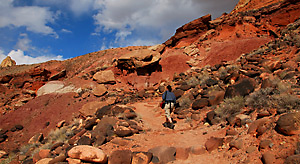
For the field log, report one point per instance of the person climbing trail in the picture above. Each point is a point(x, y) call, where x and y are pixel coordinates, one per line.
point(169, 100)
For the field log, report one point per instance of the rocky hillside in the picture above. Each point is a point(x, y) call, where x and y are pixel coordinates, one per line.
point(236, 79)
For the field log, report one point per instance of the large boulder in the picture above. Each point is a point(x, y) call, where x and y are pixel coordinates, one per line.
point(213, 143)
point(200, 103)
point(241, 88)
point(105, 77)
point(88, 153)
point(120, 156)
point(100, 90)
point(143, 61)
point(289, 124)
point(163, 154)
point(56, 87)
point(91, 108)
point(8, 62)
point(141, 157)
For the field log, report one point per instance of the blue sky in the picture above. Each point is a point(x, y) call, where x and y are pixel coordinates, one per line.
point(34, 31)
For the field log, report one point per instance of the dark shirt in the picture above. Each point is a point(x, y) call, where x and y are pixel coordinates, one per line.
point(169, 97)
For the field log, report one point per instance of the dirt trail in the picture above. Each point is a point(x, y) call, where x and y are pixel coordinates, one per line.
point(151, 114)
point(183, 136)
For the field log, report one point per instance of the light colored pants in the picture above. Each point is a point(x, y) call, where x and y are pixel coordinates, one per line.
point(168, 108)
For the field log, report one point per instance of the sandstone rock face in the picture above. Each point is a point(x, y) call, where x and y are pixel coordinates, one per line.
point(8, 62)
point(144, 61)
point(105, 77)
point(289, 124)
point(191, 29)
point(88, 153)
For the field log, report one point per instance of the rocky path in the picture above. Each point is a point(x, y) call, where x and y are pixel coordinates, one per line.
point(184, 137)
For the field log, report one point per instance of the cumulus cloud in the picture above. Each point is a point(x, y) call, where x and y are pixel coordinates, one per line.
point(21, 58)
point(34, 18)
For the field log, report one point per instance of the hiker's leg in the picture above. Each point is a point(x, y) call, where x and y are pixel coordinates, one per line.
point(167, 112)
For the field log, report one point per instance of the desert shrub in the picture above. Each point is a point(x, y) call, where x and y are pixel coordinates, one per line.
point(193, 82)
point(226, 71)
point(285, 101)
point(203, 77)
point(260, 99)
point(272, 98)
point(231, 106)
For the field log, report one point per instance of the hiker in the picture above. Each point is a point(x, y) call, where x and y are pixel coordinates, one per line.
point(170, 100)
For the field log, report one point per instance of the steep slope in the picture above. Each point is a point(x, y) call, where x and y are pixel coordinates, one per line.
point(252, 53)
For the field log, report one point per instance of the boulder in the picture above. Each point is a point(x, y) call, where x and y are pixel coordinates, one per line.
point(182, 153)
point(123, 131)
point(120, 156)
point(268, 158)
point(163, 154)
point(8, 62)
point(292, 159)
point(103, 130)
point(198, 150)
point(216, 97)
point(84, 140)
point(56, 87)
point(238, 144)
point(100, 90)
point(44, 161)
point(200, 103)
point(105, 77)
point(91, 108)
point(255, 125)
point(178, 93)
point(241, 88)
point(213, 143)
point(288, 124)
point(88, 153)
point(141, 157)
point(264, 144)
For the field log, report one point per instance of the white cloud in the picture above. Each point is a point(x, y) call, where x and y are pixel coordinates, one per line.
point(66, 31)
point(128, 17)
point(34, 18)
point(23, 42)
point(21, 58)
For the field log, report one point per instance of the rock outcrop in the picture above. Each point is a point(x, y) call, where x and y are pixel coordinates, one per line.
point(8, 62)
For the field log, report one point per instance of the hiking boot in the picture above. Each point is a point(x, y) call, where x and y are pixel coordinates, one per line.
point(168, 125)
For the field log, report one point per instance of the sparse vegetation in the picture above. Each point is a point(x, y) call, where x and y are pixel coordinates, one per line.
point(272, 98)
point(231, 106)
